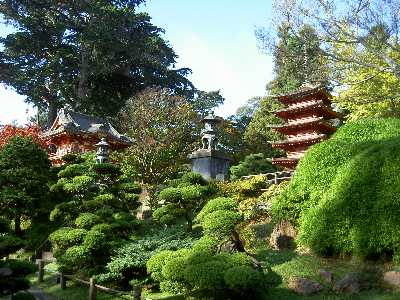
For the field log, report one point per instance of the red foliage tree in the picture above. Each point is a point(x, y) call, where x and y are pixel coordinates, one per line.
point(9, 131)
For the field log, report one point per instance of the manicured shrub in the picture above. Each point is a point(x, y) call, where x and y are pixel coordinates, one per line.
point(252, 187)
point(173, 269)
point(252, 164)
point(220, 203)
point(72, 171)
point(243, 279)
point(87, 220)
point(345, 193)
point(79, 184)
point(95, 240)
point(75, 255)
point(209, 244)
point(105, 198)
point(207, 275)
point(66, 237)
point(129, 261)
point(156, 262)
point(221, 223)
point(171, 194)
point(193, 179)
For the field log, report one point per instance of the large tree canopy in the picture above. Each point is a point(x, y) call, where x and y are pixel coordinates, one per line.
point(162, 127)
point(361, 35)
point(90, 55)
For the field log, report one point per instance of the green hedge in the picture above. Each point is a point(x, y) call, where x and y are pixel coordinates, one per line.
point(345, 195)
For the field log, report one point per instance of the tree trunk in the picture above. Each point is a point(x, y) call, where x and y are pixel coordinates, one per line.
point(189, 223)
point(83, 76)
point(51, 114)
point(17, 225)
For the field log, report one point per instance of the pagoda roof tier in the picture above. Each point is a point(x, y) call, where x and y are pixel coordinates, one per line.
point(309, 109)
point(316, 124)
point(294, 143)
point(286, 162)
point(305, 93)
point(73, 123)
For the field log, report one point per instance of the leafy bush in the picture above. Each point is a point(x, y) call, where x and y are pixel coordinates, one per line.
point(87, 220)
point(66, 237)
point(219, 203)
point(207, 244)
point(246, 188)
point(129, 261)
point(193, 178)
point(221, 223)
point(345, 192)
point(183, 198)
point(252, 164)
point(243, 279)
point(98, 211)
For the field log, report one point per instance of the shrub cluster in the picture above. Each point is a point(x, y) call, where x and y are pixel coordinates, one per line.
point(204, 271)
point(345, 192)
point(252, 164)
point(183, 198)
point(96, 215)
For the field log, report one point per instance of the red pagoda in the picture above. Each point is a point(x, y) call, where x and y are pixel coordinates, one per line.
point(74, 132)
point(307, 113)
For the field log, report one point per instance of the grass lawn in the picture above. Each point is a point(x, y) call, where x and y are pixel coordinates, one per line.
point(74, 291)
point(289, 263)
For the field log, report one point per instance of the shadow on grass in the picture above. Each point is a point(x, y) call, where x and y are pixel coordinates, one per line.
point(285, 294)
point(273, 258)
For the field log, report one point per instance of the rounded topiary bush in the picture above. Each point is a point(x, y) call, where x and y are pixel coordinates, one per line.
point(243, 279)
point(220, 203)
point(207, 275)
point(221, 223)
point(251, 165)
point(87, 220)
point(345, 195)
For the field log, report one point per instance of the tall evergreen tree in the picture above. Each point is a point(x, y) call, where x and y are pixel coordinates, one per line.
point(91, 55)
point(297, 60)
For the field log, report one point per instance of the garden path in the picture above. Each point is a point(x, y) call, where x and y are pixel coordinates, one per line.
point(39, 294)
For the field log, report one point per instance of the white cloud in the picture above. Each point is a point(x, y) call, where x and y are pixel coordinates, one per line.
point(240, 72)
point(13, 109)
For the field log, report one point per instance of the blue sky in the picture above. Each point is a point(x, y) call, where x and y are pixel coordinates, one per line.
point(215, 38)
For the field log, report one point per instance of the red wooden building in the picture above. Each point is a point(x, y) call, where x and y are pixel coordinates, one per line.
point(307, 116)
point(74, 132)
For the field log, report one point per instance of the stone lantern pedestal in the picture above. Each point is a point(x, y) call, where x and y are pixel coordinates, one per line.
point(211, 163)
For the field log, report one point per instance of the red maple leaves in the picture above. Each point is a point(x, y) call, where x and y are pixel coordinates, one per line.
point(9, 131)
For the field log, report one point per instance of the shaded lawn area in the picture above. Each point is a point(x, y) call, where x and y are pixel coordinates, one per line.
point(288, 263)
point(74, 291)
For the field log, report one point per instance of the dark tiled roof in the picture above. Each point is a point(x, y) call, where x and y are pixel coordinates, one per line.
point(78, 123)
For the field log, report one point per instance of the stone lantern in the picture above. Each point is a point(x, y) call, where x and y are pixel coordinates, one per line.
point(209, 161)
point(102, 153)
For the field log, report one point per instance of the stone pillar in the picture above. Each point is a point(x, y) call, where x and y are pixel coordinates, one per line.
point(211, 163)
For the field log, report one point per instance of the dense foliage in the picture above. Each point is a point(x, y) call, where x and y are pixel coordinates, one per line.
point(128, 263)
point(7, 132)
point(183, 198)
point(92, 55)
point(96, 215)
point(252, 164)
point(344, 195)
point(204, 270)
point(24, 174)
point(13, 272)
point(161, 127)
